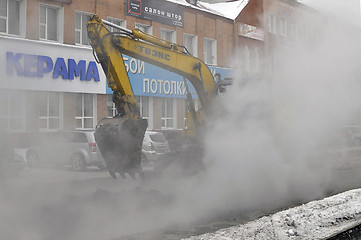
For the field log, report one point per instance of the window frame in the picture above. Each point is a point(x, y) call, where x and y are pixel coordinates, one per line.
point(111, 106)
point(144, 28)
point(166, 117)
point(142, 105)
point(194, 43)
point(8, 117)
point(59, 19)
point(81, 13)
point(21, 20)
point(123, 23)
point(213, 49)
point(60, 116)
point(283, 26)
point(186, 110)
point(173, 35)
point(272, 23)
point(83, 117)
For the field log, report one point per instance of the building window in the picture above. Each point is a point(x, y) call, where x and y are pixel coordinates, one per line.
point(168, 35)
point(11, 110)
point(85, 111)
point(12, 17)
point(50, 114)
point(190, 42)
point(167, 113)
point(283, 27)
point(49, 23)
point(271, 23)
point(112, 111)
point(143, 102)
point(187, 110)
point(144, 28)
point(210, 51)
point(81, 32)
point(118, 22)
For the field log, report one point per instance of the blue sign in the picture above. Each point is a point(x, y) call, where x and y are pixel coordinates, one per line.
point(30, 65)
point(149, 80)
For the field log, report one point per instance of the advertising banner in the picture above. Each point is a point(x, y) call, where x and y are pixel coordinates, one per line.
point(150, 80)
point(156, 10)
point(42, 66)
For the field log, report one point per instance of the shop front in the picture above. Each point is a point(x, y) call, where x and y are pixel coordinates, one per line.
point(48, 86)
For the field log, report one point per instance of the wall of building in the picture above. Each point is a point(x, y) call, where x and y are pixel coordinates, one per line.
point(199, 23)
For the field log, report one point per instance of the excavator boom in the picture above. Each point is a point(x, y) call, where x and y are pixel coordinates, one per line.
point(118, 136)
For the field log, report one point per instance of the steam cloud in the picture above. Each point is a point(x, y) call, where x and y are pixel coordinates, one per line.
point(261, 150)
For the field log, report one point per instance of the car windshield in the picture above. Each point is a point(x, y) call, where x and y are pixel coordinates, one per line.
point(157, 137)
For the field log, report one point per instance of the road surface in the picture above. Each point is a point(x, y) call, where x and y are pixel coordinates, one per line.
point(59, 203)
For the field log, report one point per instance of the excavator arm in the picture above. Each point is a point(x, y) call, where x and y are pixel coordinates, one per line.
point(109, 48)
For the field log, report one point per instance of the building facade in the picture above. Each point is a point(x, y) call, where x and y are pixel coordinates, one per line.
point(49, 79)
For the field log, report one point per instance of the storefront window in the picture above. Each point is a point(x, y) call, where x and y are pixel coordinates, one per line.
point(186, 110)
point(49, 22)
point(167, 113)
point(11, 110)
point(50, 115)
point(85, 111)
point(81, 34)
point(10, 17)
point(143, 106)
point(112, 111)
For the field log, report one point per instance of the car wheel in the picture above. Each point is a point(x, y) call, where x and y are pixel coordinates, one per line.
point(32, 158)
point(78, 162)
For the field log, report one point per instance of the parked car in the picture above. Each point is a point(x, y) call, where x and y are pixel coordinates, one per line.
point(154, 145)
point(77, 148)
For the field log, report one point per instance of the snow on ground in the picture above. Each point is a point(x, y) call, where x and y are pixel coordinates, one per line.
point(315, 220)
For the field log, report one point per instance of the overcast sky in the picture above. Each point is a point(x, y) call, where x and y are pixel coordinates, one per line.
point(348, 9)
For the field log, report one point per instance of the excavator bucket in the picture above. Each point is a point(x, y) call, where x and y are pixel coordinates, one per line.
point(120, 142)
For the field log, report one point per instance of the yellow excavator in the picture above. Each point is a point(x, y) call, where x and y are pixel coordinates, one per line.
point(120, 138)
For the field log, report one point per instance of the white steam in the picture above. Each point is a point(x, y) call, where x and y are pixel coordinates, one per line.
point(261, 150)
point(258, 159)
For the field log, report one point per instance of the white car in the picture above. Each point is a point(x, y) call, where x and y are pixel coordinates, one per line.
point(154, 145)
point(77, 148)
